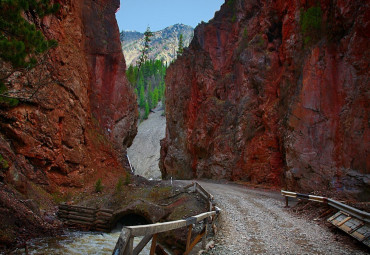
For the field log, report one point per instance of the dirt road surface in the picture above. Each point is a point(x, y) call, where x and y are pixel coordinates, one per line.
point(256, 222)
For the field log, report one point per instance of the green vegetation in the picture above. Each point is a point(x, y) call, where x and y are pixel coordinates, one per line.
point(4, 100)
point(119, 185)
point(61, 198)
point(311, 22)
point(127, 179)
point(231, 3)
point(233, 19)
point(146, 48)
point(20, 41)
point(148, 83)
point(147, 78)
point(3, 163)
point(181, 45)
point(99, 186)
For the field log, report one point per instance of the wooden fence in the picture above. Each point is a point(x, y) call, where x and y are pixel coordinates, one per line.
point(89, 218)
point(124, 245)
point(349, 219)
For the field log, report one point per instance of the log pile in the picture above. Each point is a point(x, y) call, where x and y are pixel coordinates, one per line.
point(94, 219)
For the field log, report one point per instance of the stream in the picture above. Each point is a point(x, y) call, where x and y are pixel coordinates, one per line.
point(77, 243)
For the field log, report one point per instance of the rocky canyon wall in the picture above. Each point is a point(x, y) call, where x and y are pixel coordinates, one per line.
point(277, 93)
point(76, 128)
point(65, 133)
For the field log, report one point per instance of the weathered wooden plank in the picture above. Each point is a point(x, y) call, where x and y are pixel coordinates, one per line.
point(130, 246)
point(154, 244)
point(76, 207)
point(103, 218)
point(80, 210)
point(196, 240)
point(188, 240)
point(75, 217)
point(122, 242)
point(101, 222)
point(151, 229)
point(208, 195)
point(71, 222)
point(104, 214)
point(83, 214)
point(103, 210)
point(142, 244)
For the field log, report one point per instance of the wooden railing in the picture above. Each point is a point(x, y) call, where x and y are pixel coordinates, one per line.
point(349, 219)
point(124, 245)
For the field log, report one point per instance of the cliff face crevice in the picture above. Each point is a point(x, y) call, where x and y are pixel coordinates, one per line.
point(264, 95)
point(77, 127)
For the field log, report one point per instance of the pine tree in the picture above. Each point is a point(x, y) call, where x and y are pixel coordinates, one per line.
point(181, 46)
point(20, 41)
point(146, 114)
point(146, 48)
point(142, 97)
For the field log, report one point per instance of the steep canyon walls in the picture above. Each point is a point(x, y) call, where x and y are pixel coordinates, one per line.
point(65, 132)
point(77, 127)
point(274, 92)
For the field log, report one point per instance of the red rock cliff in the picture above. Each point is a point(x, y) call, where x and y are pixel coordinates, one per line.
point(256, 97)
point(62, 138)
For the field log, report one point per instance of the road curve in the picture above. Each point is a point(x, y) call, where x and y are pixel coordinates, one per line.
point(256, 222)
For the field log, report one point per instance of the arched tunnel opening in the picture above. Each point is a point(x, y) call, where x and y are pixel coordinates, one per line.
point(130, 219)
point(133, 219)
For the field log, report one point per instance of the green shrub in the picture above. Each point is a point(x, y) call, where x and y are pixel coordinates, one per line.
point(127, 179)
point(119, 186)
point(231, 3)
point(3, 163)
point(311, 22)
point(99, 186)
point(233, 19)
point(6, 101)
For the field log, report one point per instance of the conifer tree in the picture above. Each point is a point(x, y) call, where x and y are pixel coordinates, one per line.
point(146, 48)
point(146, 114)
point(20, 41)
point(181, 46)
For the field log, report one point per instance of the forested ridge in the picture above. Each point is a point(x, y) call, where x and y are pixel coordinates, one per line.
point(148, 83)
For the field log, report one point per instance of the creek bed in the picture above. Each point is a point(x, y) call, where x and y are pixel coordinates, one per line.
point(76, 243)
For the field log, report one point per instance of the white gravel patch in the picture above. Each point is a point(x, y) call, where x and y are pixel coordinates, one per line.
point(144, 152)
point(255, 222)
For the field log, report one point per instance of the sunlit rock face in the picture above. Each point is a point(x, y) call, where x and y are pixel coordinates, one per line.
point(79, 125)
point(254, 99)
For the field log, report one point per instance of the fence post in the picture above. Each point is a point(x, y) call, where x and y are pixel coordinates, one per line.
point(204, 239)
point(154, 244)
point(188, 241)
point(286, 202)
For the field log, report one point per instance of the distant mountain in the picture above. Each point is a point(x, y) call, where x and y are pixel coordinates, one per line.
point(164, 43)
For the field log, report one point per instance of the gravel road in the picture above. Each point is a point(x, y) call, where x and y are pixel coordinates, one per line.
point(144, 152)
point(256, 222)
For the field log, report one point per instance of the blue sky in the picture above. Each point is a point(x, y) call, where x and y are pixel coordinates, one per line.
point(158, 14)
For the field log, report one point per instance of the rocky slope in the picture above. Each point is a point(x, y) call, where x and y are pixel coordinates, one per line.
point(274, 92)
point(144, 152)
point(164, 43)
point(76, 128)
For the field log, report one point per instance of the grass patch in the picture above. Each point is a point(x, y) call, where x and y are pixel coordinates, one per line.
point(59, 198)
point(311, 24)
point(3, 163)
point(99, 186)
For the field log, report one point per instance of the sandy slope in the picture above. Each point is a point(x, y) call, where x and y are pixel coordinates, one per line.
point(144, 153)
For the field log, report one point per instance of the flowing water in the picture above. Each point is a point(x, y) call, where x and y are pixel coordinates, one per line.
point(78, 243)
